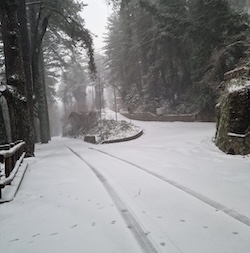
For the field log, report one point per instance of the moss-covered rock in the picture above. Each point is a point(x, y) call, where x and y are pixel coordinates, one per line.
point(233, 117)
point(79, 123)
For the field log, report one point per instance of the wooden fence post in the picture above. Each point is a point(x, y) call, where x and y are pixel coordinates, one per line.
point(9, 155)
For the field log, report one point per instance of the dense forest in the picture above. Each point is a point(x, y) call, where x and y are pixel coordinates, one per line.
point(174, 53)
point(158, 53)
point(41, 43)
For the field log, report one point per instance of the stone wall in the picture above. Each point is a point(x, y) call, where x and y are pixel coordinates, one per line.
point(147, 116)
point(233, 119)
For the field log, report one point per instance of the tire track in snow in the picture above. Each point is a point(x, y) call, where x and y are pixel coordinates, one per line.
point(219, 207)
point(130, 220)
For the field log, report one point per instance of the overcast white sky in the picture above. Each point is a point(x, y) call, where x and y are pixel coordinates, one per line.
point(95, 15)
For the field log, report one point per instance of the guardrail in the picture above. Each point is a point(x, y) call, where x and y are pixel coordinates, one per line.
point(11, 156)
point(147, 116)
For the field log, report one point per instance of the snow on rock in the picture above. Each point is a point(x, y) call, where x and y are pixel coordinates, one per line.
point(238, 84)
point(110, 130)
point(233, 118)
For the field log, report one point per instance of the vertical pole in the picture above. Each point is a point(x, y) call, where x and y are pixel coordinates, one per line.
point(115, 104)
point(3, 159)
point(12, 159)
point(8, 165)
point(100, 97)
point(93, 99)
point(100, 101)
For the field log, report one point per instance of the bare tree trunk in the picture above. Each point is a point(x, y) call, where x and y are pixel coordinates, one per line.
point(42, 72)
point(41, 100)
point(6, 117)
point(26, 49)
point(19, 113)
point(3, 134)
point(41, 23)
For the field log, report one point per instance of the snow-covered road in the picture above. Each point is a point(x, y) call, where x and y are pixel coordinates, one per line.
point(169, 191)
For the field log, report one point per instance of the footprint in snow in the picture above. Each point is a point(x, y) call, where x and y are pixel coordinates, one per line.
point(54, 234)
point(14, 240)
point(74, 226)
point(35, 235)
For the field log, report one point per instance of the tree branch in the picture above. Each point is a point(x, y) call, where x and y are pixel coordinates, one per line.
point(10, 91)
point(33, 3)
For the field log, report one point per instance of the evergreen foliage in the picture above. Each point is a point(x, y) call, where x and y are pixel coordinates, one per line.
point(173, 53)
point(73, 88)
point(56, 33)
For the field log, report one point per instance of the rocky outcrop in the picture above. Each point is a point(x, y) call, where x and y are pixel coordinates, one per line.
point(233, 116)
point(79, 123)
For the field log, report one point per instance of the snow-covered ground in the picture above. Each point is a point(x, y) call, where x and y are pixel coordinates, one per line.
point(110, 130)
point(171, 190)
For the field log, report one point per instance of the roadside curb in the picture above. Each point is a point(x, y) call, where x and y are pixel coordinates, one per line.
point(9, 191)
point(92, 138)
point(125, 139)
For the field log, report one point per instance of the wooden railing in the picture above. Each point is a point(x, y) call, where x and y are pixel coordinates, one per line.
point(11, 156)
